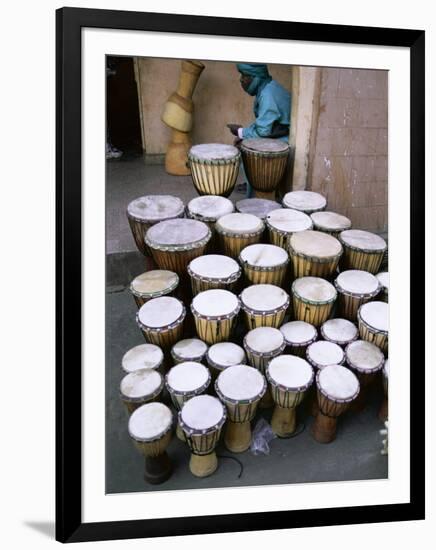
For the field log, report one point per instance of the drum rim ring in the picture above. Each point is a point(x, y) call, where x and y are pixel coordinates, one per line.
point(250, 401)
point(359, 295)
point(206, 431)
point(161, 435)
point(369, 327)
point(179, 248)
point(217, 280)
point(158, 293)
point(264, 313)
point(149, 397)
point(336, 400)
point(189, 394)
point(165, 328)
point(287, 389)
point(271, 354)
point(312, 302)
point(363, 250)
point(282, 232)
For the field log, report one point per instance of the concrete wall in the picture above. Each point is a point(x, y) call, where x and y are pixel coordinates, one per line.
point(348, 159)
point(218, 100)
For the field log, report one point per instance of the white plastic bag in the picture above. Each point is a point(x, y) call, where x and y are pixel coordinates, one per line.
point(262, 435)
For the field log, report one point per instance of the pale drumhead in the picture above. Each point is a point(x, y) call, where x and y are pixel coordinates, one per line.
point(240, 382)
point(330, 221)
point(289, 221)
point(339, 330)
point(324, 353)
point(140, 383)
point(383, 279)
point(290, 371)
point(187, 377)
point(190, 347)
point(264, 297)
point(386, 369)
point(226, 354)
point(258, 207)
point(178, 232)
point(144, 356)
point(338, 382)
point(314, 289)
point(215, 303)
point(315, 244)
point(356, 281)
point(155, 208)
point(213, 151)
point(238, 223)
point(202, 412)
point(364, 356)
point(298, 332)
point(160, 312)
point(265, 145)
point(304, 200)
point(157, 280)
point(264, 255)
point(150, 421)
point(363, 240)
point(214, 266)
point(210, 207)
point(264, 339)
point(376, 315)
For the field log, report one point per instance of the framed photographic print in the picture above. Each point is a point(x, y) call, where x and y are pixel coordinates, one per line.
point(240, 221)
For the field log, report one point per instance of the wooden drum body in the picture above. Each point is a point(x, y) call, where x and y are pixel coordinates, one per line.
point(144, 212)
point(215, 314)
point(240, 388)
point(213, 271)
point(264, 306)
point(201, 420)
point(289, 378)
point(283, 222)
point(264, 264)
point(265, 162)
point(362, 250)
point(373, 321)
point(236, 231)
point(161, 321)
point(313, 299)
point(355, 288)
point(214, 168)
point(314, 254)
point(174, 243)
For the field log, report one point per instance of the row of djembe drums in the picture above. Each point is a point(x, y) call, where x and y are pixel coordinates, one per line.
point(273, 379)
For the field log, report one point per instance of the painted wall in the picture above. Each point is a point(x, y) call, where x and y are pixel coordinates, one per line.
point(218, 100)
point(348, 160)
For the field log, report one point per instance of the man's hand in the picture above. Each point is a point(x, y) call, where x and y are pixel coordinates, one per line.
point(234, 128)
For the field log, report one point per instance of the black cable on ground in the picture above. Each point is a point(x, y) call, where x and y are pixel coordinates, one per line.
point(236, 460)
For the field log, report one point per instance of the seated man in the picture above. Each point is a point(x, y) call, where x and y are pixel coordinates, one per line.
point(272, 106)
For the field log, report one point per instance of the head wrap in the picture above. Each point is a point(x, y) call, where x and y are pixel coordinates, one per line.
point(258, 72)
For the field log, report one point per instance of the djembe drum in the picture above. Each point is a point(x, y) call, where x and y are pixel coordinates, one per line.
point(213, 271)
point(209, 209)
point(258, 207)
point(313, 299)
point(354, 288)
point(264, 263)
point(146, 211)
point(183, 382)
point(330, 222)
point(144, 356)
point(383, 279)
point(373, 322)
point(298, 336)
point(174, 243)
point(264, 306)
point(153, 284)
point(214, 168)
point(190, 349)
point(150, 428)
point(261, 345)
point(282, 223)
point(201, 420)
point(314, 254)
point(304, 201)
point(223, 355)
point(339, 331)
point(240, 388)
point(289, 378)
point(365, 360)
point(215, 313)
point(383, 412)
point(265, 162)
point(362, 250)
point(140, 387)
point(337, 388)
point(161, 321)
point(236, 231)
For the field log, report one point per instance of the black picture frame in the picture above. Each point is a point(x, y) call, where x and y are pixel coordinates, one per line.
point(69, 22)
